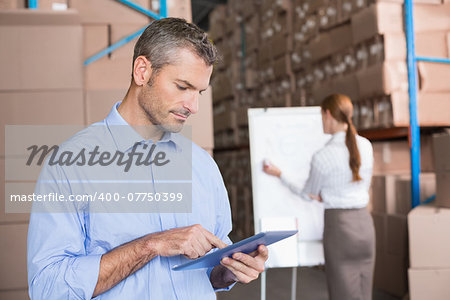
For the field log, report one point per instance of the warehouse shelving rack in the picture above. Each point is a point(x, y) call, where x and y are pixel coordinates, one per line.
point(33, 4)
point(414, 129)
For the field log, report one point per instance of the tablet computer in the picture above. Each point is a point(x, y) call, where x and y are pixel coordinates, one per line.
point(247, 246)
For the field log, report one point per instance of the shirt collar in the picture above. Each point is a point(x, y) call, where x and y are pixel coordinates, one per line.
point(125, 136)
point(337, 137)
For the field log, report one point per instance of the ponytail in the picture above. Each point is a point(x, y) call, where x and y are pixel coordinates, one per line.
point(341, 108)
point(352, 146)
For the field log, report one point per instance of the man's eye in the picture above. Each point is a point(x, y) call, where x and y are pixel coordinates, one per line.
point(181, 88)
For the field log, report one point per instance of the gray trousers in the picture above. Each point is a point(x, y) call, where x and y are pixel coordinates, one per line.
point(349, 247)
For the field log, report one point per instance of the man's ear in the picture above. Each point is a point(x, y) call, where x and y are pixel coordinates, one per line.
point(142, 70)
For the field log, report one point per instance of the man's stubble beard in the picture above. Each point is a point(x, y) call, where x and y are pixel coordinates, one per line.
point(145, 100)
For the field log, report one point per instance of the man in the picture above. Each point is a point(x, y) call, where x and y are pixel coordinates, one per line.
point(79, 254)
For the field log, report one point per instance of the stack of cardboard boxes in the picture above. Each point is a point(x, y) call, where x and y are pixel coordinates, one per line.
point(107, 79)
point(429, 239)
point(309, 49)
point(390, 204)
point(235, 168)
point(381, 81)
point(236, 30)
point(41, 84)
point(44, 82)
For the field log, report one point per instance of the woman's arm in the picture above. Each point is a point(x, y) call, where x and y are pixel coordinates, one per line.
point(273, 170)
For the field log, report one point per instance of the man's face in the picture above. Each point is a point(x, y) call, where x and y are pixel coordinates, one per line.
point(173, 92)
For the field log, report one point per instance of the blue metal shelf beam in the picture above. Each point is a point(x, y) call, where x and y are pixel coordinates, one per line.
point(414, 130)
point(143, 10)
point(162, 14)
point(433, 59)
point(114, 46)
point(32, 4)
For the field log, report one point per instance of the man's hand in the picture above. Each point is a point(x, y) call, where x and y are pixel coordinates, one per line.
point(242, 268)
point(191, 241)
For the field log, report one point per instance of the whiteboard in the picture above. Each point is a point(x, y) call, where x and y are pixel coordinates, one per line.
point(288, 137)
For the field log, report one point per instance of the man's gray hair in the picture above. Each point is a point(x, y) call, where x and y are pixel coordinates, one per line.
point(163, 38)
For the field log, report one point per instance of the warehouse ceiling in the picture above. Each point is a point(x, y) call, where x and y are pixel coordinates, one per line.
point(201, 10)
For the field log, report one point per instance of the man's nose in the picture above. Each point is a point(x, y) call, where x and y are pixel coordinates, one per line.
point(192, 103)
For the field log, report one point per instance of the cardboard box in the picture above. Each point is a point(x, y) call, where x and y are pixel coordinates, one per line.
point(394, 156)
point(366, 118)
point(429, 284)
point(32, 55)
point(384, 192)
point(280, 45)
point(328, 15)
point(53, 4)
point(403, 196)
point(106, 11)
point(105, 74)
point(378, 18)
point(281, 66)
point(180, 9)
point(383, 114)
point(448, 43)
point(443, 189)
point(54, 107)
point(4, 217)
point(99, 103)
point(231, 23)
point(346, 84)
point(433, 77)
point(218, 14)
point(12, 4)
point(13, 256)
point(437, 13)
point(345, 10)
point(252, 28)
point(391, 263)
point(397, 235)
point(395, 275)
point(327, 43)
point(311, 6)
point(432, 44)
point(16, 295)
point(225, 116)
point(242, 116)
point(429, 241)
point(121, 31)
point(394, 47)
point(379, 223)
point(432, 107)
point(217, 22)
point(441, 153)
point(95, 39)
point(382, 79)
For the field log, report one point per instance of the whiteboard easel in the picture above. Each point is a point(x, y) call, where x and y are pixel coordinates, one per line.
point(288, 137)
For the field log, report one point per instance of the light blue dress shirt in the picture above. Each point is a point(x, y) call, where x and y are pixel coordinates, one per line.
point(65, 248)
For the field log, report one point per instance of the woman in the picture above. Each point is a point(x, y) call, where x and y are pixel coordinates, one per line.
point(340, 176)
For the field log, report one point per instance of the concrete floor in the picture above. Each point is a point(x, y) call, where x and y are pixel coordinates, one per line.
point(311, 284)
